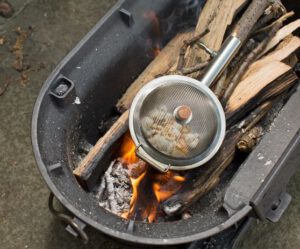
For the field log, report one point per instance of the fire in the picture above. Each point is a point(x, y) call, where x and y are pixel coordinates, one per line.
point(135, 184)
point(154, 43)
point(127, 151)
point(149, 187)
point(166, 184)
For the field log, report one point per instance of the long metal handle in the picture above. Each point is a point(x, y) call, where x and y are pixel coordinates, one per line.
point(228, 50)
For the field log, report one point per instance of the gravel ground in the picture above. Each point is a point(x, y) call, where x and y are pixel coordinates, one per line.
point(25, 222)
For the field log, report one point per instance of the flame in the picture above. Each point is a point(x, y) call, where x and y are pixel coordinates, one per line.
point(149, 187)
point(135, 184)
point(166, 185)
point(154, 43)
point(127, 151)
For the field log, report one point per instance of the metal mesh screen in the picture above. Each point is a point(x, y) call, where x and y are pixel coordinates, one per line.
point(168, 135)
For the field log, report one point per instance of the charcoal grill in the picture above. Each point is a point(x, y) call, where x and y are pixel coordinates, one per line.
point(82, 92)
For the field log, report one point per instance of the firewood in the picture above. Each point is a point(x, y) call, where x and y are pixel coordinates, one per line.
point(160, 65)
point(281, 34)
point(221, 85)
point(216, 16)
point(254, 83)
point(281, 19)
point(88, 165)
point(259, 72)
point(249, 53)
point(272, 12)
point(190, 70)
point(201, 180)
point(290, 45)
point(269, 86)
point(250, 58)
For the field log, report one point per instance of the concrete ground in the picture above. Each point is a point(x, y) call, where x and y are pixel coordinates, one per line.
point(25, 222)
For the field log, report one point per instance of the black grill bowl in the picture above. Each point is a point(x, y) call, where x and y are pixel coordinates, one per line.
point(91, 78)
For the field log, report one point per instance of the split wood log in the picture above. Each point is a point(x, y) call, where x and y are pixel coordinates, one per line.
point(203, 179)
point(290, 45)
point(280, 35)
point(160, 65)
point(250, 58)
point(250, 50)
point(86, 173)
point(216, 15)
point(262, 85)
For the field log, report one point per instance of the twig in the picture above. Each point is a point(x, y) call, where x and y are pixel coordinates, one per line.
point(186, 44)
point(279, 20)
point(196, 68)
point(273, 12)
point(221, 84)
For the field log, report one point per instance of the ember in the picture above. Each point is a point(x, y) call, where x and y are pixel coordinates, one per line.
point(148, 187)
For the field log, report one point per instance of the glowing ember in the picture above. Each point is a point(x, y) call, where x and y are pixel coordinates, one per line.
point(149, 187)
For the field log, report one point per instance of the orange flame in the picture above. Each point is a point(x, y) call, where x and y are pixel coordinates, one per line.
point(135, 184)
point(160, 186)
point(127, 151)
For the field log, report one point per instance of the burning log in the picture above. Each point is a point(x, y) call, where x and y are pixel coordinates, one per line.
point(87, 167)
point(131, 189)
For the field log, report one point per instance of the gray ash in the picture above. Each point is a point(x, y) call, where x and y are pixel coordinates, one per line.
point(114, 192)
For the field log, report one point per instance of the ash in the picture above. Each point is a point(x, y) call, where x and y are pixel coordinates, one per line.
point(114, 193)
